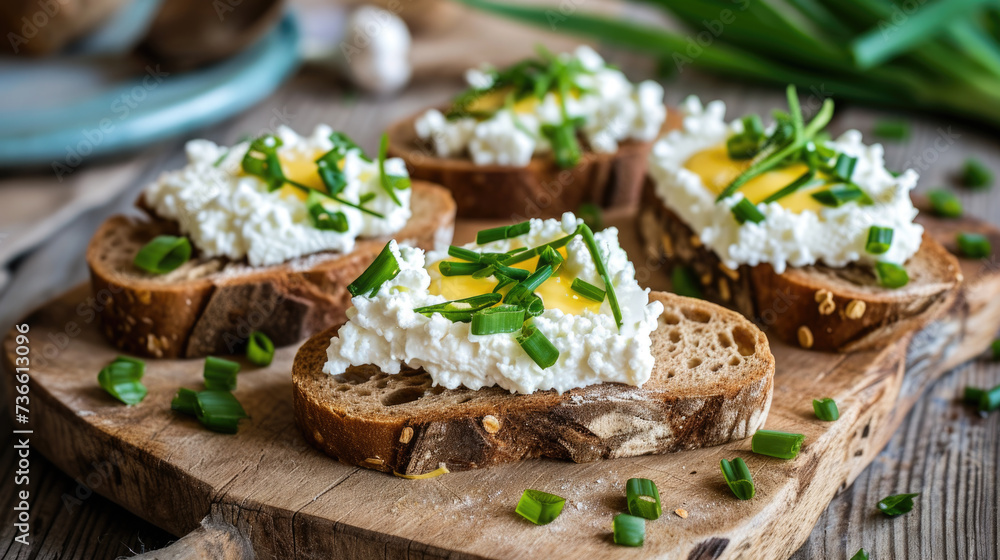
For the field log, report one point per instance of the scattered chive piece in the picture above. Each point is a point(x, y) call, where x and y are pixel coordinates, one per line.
point(518, 274)
point(591, 215)
point(685, 282)
point(464, 254)
point(321, 217)
point(499, 319)
point(945, 204)
point(502, 232)
point(806, 180)
point(121, 379)
point(461, 310)
point(260, 349)
point(745, 211)
point(185, 401)
point(602, 270)
point(984, 400)
point(163, 254)
point(976, 175)
point(629, 530)
point(389, 182)
point(383, 268)
point(843, 169)
point(220, 374)
point(587, 290)
point(972, 395)
point(451, 268)
point(432, 474)
point(826, 409)
point(219, 411)
point(737, 476)
point(860, 555)
point(995, 348)
point(891, 275)
point(643, 498)
point(892, 129)
point(974, 245)
point(538, 347)
point(541, 508)
point(841, 194)
point(565, 146)
point(550, 257)
point(879, 240)
point(527, 286)
point(897, 504)
point(777, 444)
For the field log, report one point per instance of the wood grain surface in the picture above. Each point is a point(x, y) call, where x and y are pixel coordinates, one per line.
point(941, 448)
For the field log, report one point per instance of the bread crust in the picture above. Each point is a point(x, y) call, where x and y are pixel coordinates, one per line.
point(541, 189)
point(400, 423)
point(210, 306)
point(818, 307)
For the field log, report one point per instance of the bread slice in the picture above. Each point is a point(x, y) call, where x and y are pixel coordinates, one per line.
point(541, 189)
point(819, 307)
point(711, 384)
point(210, 306)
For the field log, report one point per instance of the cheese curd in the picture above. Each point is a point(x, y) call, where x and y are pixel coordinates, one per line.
point(384, 330)
point(795, 232)
point(612, 108)
point(226, 213)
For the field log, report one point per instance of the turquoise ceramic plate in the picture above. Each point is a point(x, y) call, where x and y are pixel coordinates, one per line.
point(60, 112)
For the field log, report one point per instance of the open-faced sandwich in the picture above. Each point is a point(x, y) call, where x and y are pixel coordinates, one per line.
point(538, 138)
point(535, 341)
point(813, 238)
point(263, 236)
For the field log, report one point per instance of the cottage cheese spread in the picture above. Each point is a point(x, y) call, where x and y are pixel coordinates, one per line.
point(385, 331)
point(796, 231)
point(227, 213)
point(613, 110)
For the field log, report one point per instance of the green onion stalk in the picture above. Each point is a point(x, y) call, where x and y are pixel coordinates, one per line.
point(939, 55)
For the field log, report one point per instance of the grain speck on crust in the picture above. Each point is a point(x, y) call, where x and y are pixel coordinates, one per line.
point(733, 275)
point(827, 306)
point(375, 461)
point(668, 245)
point(406, 436)
point(491, 424)
point(823, 295)
point(724, 292)
point(695, 241)
point(805, 337)
point(855, 309)
point(682, 513)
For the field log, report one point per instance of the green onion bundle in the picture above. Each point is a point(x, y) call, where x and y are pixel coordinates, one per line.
point(942, 55)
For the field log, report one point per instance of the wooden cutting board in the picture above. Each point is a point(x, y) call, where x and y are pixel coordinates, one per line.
point(264, 493)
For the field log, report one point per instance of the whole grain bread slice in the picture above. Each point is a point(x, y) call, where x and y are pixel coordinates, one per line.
point(541, 189)
point(210, 306)
point(819, 307)
point(711, 384)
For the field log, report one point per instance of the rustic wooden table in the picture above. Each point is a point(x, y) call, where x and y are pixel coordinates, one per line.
point(943, 449)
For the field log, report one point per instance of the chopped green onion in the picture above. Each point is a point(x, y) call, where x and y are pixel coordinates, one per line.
point(976, 175)
point(685, 282)
point(220, 374)
point(891, 275)
point(974, 245)
point(452, 268)
point(502, 232)
point(121, 379)
point(565, 146)
point(995, 349)
point(737, 476)
point(602, 270)
point(945, 204)
point(499, 319)
point(185, 401)
point(528, 285)
point(986, 401)
point(538, 347)
point(591, 215)
point(321, 217)
point(745, 211)
point(517, 274)
point(860, 555)
point(383, 268)
point(328, 168)
point(219, 411)
point(741, 146)
point(389, 182)
point(260, 349)
point(461, 310)
point(897, 504)
point(550, 257)
point(777, 444)
point(643, 498)
point(587, 290)
point(826, 410)
point(261, 160)
point(973, 395)
point(629, 530)
point(806, 180)
point(879, 240)
point(892, 130)
point(464, 254)
point(163, 254)
point(541, 508)
point(533, 305)
point(841, 194)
